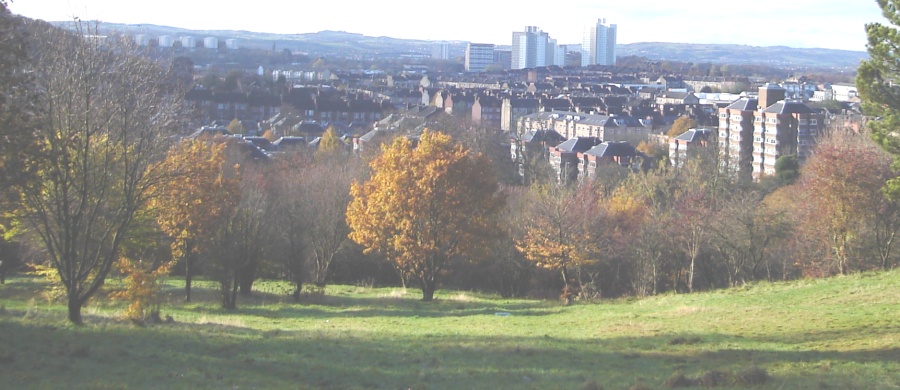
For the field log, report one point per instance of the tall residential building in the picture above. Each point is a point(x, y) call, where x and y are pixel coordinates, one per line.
point(479, 56)
point(440, 50)
point(533, 48)
point(754, 133)
point(211, 42)
point(599, 45)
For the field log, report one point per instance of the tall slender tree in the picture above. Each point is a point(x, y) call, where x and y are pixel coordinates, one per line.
point(875, 81)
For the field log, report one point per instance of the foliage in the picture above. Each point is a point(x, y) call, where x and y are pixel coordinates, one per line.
point(233, 248)
point(562, 229)
point(55, 290)
point(18, 105)
point(270, 135)
point(235, 127)
point(425, 208)
point(875, 82)
point(106, 120)
point(190, 202)
point(142, 290)
point(681, 125)
point(841, 195)
point(787, 169)
point(330, 144)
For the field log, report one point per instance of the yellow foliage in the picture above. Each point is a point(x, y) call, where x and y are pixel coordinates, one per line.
point(330, 144)
point(270, 135)
point(198, 192)
point(56, 290)
point(560, 232)
point(425, 207)
point(141, 288)
point(681, 125)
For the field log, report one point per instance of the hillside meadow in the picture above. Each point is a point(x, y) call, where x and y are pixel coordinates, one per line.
point(839, 333)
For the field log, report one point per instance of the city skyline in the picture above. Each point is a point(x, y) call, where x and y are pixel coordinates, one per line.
point(801, 23)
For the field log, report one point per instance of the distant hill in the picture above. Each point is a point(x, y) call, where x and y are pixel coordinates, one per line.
point(775, 56)
point(352, 44)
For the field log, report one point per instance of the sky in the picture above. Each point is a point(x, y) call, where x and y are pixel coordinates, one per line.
point(831, 24)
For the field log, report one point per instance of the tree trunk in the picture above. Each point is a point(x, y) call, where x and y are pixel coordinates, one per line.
point(691, 275)
point(75, 311)
point(187, 278)
point(246, 278)
point(234, 295)
point(297, 290)
point(428, 288)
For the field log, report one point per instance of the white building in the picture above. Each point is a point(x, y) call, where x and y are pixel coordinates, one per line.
point(533, 48)
point(188, 42)
point(844, 92)
point(232, 44)
point(211, 42)
point(599, 44)
point(166, 41)
point(142, 40)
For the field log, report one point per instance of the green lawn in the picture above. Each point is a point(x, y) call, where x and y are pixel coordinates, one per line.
point(840, 333)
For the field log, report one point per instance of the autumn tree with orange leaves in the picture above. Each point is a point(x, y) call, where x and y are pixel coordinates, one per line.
point(193, 199)
point(560, 234)
point(425, 207)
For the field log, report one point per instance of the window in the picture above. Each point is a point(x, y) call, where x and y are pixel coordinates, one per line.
point(773, 121)
point(813, 122)
point(757, 119)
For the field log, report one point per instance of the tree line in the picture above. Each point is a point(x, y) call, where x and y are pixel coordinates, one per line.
point(98, 183)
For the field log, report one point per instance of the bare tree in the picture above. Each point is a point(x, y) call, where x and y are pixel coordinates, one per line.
point(326, 194)
point(105, 121)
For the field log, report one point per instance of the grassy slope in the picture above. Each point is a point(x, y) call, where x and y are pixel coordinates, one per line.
point(837, 333)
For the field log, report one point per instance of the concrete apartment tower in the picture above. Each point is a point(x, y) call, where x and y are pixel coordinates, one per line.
point(532, 48)
point(599, 45)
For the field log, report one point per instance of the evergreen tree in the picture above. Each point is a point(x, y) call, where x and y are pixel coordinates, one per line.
point(875, 82)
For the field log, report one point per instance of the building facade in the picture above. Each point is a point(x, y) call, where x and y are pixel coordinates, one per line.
point(533, 48)
point(599, 45)
point(479, 56)
point(440, 50)
point(754, 133)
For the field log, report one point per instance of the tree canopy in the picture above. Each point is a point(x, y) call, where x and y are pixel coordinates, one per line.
point(425, 207)
point(105, 121)
point(875, 82)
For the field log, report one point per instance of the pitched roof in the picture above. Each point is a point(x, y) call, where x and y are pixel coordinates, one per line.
point(579, 144)
point(550, 136)
point(694, 135)
point(744, 104)
point(613, 149)
point(788, 107)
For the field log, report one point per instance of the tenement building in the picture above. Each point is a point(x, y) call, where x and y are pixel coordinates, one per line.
point(754, 133)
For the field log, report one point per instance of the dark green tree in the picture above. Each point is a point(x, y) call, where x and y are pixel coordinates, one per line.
point(875, 82)
point(17, 100)
point(787, 169)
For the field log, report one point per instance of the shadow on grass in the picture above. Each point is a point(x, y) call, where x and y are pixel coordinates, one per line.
point(196, 355)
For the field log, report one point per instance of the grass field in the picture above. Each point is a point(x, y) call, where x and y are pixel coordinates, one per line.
point(840, 333)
